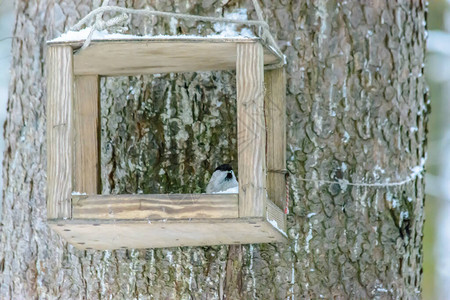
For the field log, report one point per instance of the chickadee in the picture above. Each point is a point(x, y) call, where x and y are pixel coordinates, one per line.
point(222, 179)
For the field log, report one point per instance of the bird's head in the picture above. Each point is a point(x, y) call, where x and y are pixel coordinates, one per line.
point(222, 179)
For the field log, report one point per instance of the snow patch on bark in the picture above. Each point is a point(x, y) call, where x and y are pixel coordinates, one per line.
point(308, 238)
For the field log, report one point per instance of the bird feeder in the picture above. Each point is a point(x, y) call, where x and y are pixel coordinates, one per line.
point(89, 220)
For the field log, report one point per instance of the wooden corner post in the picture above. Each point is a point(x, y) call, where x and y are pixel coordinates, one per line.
point(275, 111)
point(251, 129)
point(86, 164)
point(59, 125)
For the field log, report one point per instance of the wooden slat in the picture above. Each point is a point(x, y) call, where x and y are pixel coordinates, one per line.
point(155, 207)
point(108, 234)
point(134, 57)
point(275, 111)
point(59, 126)
point(276, 216)
point(251, 130)
point(85, 143)
point(153, 58)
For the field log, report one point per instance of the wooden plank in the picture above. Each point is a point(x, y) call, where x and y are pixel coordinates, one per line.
point(159, 56)
point(85, 136)
point(59, 126)
point(108, 235)
point(155, 207)
point(275, 112)
point(276, 216)
point(251, 130)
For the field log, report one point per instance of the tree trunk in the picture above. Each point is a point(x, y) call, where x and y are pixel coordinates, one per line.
point(356, 110)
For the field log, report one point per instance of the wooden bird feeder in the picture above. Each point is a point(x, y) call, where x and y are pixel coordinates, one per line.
point(87, 219)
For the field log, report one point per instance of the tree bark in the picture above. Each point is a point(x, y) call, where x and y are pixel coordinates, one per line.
point(356, 110)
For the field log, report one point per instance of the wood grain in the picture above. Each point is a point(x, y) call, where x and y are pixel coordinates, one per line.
point(139, 234)
point(59, 126)
point(134, 57)
point(86, 138)
point(156, 207)
point(251, 130)
point(275, 112)
point(275, 215)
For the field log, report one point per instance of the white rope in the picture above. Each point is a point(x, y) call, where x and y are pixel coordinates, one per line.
point(345, 182)
point(416, 172)
point(147, 12)
point(99, 24)
point(266, 33)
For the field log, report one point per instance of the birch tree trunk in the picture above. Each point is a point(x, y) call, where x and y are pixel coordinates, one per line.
point(357, 110)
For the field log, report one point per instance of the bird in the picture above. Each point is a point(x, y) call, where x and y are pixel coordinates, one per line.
point(222, 181)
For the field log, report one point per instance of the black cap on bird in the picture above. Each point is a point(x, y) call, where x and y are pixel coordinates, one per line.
point(222, 180)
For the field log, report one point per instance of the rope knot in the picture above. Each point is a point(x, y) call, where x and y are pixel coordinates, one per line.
point(116, 21)
point(99, 25)
point(343, 183)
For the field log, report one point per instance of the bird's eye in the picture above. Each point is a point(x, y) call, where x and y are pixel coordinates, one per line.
point(229, 175)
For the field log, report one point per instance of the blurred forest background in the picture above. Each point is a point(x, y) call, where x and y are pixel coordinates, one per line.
point(6, 33)
point(436, 283)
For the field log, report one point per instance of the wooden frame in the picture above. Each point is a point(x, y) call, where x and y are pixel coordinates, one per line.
point(87, 220)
